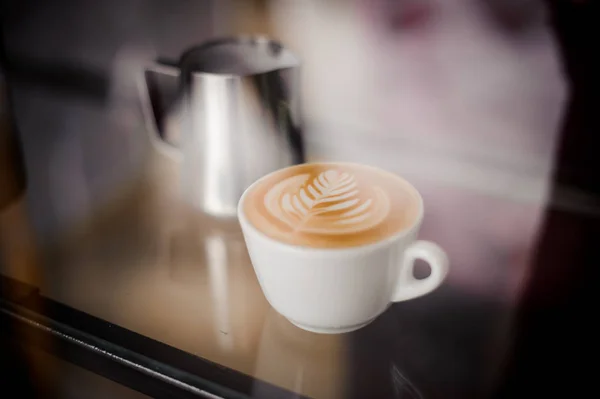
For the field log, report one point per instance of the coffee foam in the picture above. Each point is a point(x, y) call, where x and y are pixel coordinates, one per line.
point(327, 205)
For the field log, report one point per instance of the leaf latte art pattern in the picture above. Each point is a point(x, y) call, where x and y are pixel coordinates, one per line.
point(330, 203)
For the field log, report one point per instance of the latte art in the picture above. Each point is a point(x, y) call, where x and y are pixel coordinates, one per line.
point(326, 205)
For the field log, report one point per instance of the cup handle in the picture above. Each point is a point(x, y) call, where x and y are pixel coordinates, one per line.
point(408, 287)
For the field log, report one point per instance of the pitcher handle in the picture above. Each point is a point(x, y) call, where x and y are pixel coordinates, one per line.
point(147, 81)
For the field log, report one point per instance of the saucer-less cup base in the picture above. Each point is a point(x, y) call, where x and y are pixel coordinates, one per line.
point(341, 289)
point(332, 330)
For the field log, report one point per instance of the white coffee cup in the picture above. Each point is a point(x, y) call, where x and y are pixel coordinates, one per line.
point(336, 290)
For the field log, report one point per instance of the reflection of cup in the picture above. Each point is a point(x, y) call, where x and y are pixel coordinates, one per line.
point(307, 364)
point(334, 290)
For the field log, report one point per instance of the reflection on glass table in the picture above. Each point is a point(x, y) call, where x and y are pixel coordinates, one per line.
point(173, 295)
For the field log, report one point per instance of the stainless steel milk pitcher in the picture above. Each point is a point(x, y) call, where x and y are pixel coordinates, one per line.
point(237, 118)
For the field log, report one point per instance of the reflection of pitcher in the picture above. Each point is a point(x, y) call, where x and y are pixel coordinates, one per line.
point(311, 365)
point(207, 258)
point(234, 115)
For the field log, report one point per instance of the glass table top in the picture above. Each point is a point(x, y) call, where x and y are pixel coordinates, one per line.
point(164, 288)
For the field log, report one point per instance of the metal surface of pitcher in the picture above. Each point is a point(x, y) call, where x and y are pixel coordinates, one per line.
point(235, 117)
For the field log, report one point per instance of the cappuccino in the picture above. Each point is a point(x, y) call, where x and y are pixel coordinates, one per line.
point(331, 205)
